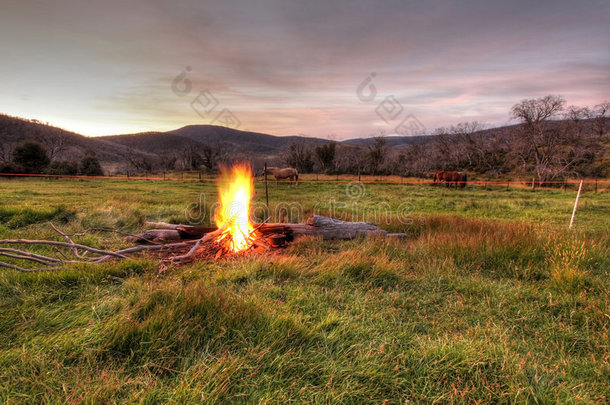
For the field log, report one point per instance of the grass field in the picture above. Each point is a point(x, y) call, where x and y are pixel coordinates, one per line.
point(490, 299)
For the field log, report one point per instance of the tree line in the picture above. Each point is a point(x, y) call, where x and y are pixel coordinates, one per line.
point(550, 142)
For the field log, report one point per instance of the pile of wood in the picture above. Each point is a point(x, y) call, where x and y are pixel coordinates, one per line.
point(180, 243)
point(265, 237)
point(316, 225)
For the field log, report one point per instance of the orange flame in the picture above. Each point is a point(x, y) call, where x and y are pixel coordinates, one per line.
point(236, 189)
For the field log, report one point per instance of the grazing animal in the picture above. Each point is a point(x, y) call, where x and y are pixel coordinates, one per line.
point(438, 177)
point(450, 178)
point(463, 180)
point(286, 173)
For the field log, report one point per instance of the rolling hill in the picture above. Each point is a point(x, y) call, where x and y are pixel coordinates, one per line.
point(242, 141)
point(68, 145)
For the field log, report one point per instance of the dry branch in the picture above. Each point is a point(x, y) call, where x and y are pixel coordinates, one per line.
point(67, 238)
point(127, 235)
point(29, 254)
point(191, 252)
point(64, 244)
point(141, 248)
point(24, 270)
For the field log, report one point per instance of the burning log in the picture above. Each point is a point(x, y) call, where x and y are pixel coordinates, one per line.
point(193, 250)
point(169, 233)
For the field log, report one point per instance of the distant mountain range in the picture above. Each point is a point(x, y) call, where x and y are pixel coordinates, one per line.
point(112, 150)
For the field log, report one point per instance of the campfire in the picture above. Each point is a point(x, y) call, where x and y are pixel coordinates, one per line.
point(235, 232)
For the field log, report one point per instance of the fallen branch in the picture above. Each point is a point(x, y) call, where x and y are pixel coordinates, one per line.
point(29, 254)
point(64, 244)
point(12, 256)
point(191, 252)
point(14, 267)
point(86, 231)
point(67, 238)
point(141, 248)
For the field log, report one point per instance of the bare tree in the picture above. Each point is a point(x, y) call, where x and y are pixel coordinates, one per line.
point(300, 157)
point(190, 157)
point(539, 142)
point(6, 152)
point(55, 142)
point(534, 112)
point(350, 159)
point(140, 163)
point(418, 159)
point(468, 144)
point(377, 154)
point(448, 156)
point(210, 155)
point(326, 155)
point(600, 116)
point(167, 161)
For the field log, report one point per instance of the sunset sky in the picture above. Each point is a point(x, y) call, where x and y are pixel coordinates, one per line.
point(294, 67)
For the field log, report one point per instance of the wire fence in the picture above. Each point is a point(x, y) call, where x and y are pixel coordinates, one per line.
point(596, 184)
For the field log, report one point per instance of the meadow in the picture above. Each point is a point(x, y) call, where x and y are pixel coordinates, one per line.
point(489, 299)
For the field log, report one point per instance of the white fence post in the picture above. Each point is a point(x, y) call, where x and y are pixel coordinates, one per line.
point(576, 204)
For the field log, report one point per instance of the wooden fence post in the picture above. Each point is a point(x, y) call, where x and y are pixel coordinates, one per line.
point(266, 187)
point(576, 204)
point(533, 184)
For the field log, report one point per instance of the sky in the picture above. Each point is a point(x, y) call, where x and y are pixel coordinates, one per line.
point(333, 69)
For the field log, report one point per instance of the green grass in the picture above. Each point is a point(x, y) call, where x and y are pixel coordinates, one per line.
point(490, 299)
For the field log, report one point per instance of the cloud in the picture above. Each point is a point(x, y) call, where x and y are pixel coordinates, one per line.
point(293, 67)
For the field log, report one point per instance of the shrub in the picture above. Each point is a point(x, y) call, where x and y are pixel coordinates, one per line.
point(90, 166)
point(11, 168)
point(31, 156)
point(69, 168)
